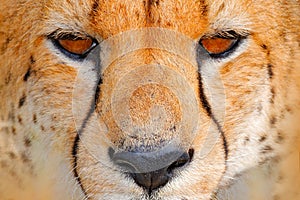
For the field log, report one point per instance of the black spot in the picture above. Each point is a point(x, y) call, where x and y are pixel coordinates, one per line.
point(204, 8)
point(95, 6)
point(42, 128)
point(27, 142)
point(32, 60)
point(52, 128)
point(270, 71)
point(34, 118)
point(12, 155)
point(173, 129)
point(264, 46)
point(7, 41)
point(154, 2)
point(20, 119)
point(54, 117)
point(273, 120)
point(13, 130)
point(22, 100)
point(27, 74)
point(262, 138)
point(288, 109)
point(247, 139)
point(272, 95)
point(267, 149)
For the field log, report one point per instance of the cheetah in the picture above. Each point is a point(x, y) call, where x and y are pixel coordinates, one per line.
point(149, 100)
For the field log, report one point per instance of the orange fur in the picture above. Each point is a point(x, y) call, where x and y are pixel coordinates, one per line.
point(253, 96)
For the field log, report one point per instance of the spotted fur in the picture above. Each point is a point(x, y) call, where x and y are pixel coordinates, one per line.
point(44, 154)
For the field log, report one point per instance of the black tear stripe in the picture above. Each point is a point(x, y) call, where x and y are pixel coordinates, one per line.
point(77, 139)
point(74, 154)
point(97, 94)
point(203, 98)
point(207, 107)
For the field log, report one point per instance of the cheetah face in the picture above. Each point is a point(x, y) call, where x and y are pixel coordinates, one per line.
point(143, 118)
point(148, 100)
point(149, 103)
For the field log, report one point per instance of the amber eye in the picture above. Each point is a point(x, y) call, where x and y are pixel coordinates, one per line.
point(79, 46)
point(73, 46)
point(219, 47)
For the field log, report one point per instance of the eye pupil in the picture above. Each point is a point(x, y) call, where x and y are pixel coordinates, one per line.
point(217, 46)
point(76, 46)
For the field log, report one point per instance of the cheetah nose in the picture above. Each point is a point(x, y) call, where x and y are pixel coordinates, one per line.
point(151, 170)
point(158, 178)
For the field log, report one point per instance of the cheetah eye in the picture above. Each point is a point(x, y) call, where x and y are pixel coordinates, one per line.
point(218, 46)
point(73, 46)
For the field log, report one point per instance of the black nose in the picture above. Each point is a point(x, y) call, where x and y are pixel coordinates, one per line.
point(158, 178)
point(151, 170)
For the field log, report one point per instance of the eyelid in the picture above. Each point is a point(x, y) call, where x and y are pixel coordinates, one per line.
point(229, 34)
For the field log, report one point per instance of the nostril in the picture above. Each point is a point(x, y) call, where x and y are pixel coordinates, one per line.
point(182, 160)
